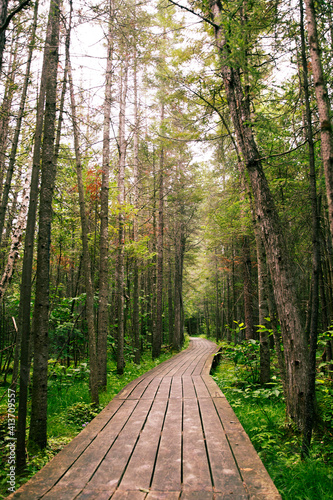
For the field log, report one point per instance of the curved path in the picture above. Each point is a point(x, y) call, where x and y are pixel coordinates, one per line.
point(168, 435)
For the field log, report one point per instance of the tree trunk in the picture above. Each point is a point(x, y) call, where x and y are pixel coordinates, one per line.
point(5, 112)
point(316, 264)
point(170, 298)
point(93, 377)
point(26, 282)
point(248, 303)
point(3, 16)
point(16, 238)
point(136, 282)
point(324, 111)
point(158, 333)
point(103, 317)
point(122, 146)
point(17, 132)
point(38, 425)
point(295, 345)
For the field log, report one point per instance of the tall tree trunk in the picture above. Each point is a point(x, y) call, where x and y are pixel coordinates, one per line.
point(158, 333)
point(16, 238)
point(217, 302)
point(38, 424)
point(122, 146)
point(5, 111)
point(26, 283)
point(93, 377)
point(177, 292)
point(103, 319)
point(295, 345)
point(263, 309)
point(248, 302)
point(170, 297)
point(324, 111)
point(316, 264)
point(136, 282)
point(3, 16)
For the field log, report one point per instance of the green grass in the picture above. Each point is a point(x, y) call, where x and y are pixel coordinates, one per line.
point(261, 411)
point(69, 409)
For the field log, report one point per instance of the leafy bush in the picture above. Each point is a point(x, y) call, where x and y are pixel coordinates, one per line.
point(261, 411)
point(80, 414)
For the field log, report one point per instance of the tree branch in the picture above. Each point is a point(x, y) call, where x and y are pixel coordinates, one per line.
point(21, 6)
point(216, 26)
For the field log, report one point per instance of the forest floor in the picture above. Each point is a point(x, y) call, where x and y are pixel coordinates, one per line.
point(261, 411)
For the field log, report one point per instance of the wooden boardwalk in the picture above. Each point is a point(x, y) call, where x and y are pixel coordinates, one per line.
point(168, 435)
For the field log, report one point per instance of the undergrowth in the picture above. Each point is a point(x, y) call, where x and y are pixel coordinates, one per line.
point(261, 410)
point(69, 409)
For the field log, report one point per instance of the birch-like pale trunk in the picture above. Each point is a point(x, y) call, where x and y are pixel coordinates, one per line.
point(17, 132)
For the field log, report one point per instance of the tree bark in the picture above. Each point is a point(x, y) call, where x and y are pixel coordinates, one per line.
point(26, 282)
point(316, 259)
point(38, 424)
point(5, 112)
point(16, 238)
point(158, 333)
point(295, 345)
point(103, 316)
point(324, 111)
point(122, 146)
point(93, 376)
point(15, 140)
point(3, 17)
point(136, 281)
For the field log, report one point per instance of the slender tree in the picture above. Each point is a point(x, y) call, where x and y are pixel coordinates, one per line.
point(38, 425)
point(86, 256)
point(103, 322)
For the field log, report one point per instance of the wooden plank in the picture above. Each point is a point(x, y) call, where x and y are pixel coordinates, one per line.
point(88, 494)
point(152, 388)
point(82, 470)
point(114, 463)
point(176, 388)
point(198, 495)
point(140, 467)
point(164, 388)
point(162, 495)
point(139, 390)
point(48, 476)
point(63, 493)
point(128, 495)
point(188, 388)
point(200, 387)
point(224, 470)
point(256, 478)
point(167, 473)
point(212, 387)
point(231, 496)
point(196, 474)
